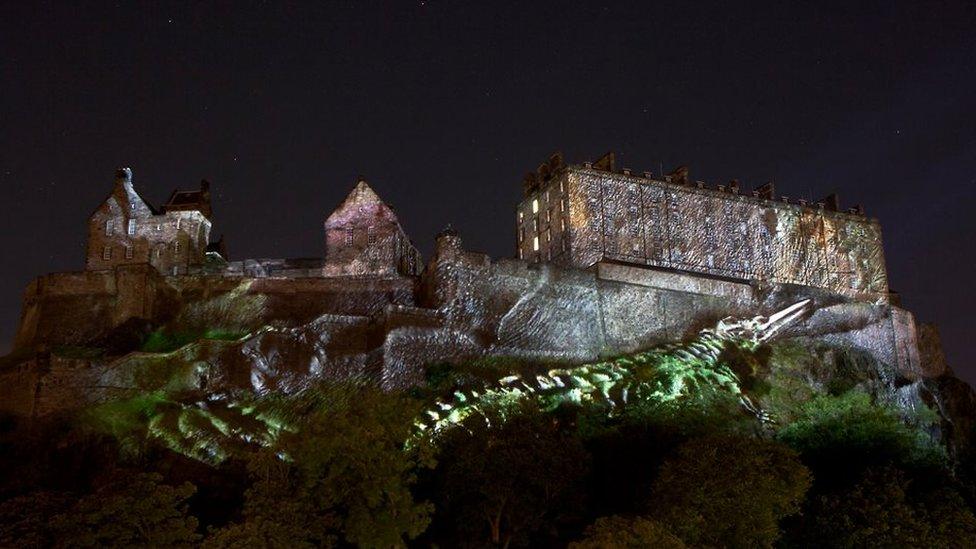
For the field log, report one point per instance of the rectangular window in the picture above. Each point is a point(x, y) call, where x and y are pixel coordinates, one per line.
point(562, 189)
point(535, 205)
point(178, 220)
point(131, 229)
point(547, 215)
point(107, 253)
point(371, 235)
point(348, 236)
point(548, 235)
point(521, 216)
point(562, 205)
point(535, 243)
point(176, 248)
point(128, 252)
point(562, 224)
point(108, 227)
point(521, 234)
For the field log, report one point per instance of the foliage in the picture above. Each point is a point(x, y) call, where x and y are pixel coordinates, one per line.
point(345, 470)
point(884, 509)
point(627, 533)
point(25, 520)
point(729, 491)
point(163, 340)
point(134, 510)
point(841, 436)
point(508, 477)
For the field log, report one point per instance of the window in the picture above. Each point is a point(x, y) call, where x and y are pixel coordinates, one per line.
point(521, 216)
point(535, 205)
point(371, 235)
point(107, 253)
point(128, 252)
point(562, 205)
point(176, 248)
point(535, 243)
point(562, 224)
point(348, 236)
point(548, 235)
point(562, 189)
point(178, 220)
point(547, 215)
point(131, 229)
point(108, 227)
point(521, 234)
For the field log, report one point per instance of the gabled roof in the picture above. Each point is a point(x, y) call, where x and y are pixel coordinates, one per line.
point(361, 198)
point(125, 195)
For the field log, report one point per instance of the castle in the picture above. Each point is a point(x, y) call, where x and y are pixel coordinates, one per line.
point(606, 261)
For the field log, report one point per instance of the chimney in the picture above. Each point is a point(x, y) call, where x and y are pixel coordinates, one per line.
point(123, 175)
point(680, 175)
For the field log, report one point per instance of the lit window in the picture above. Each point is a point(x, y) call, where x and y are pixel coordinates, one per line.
point(562, 205)
point(547, 215)
point(562, 189)
point(108, 227)
point(107, 253)
point(521, 217)
point(535, 205)
point(535, 243)
point(521, 234)
point(562, 224)
point(128, 252)
point(178, 220)
point(548, 235)
point(132, 227)
point(520, 253)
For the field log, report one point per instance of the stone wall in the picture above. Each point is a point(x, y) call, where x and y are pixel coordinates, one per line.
point(582, 215)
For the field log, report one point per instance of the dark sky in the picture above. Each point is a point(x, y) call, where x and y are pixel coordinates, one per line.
point(444, 105)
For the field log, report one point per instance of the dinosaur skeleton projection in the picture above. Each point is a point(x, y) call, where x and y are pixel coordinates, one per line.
point(663, 374)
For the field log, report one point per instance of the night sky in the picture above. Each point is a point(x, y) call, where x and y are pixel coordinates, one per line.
point(443, 106)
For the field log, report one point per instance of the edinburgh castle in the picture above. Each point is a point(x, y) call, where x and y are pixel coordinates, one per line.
point(606, 261)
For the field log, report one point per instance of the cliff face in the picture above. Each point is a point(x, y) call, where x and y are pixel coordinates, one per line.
point(97, 336)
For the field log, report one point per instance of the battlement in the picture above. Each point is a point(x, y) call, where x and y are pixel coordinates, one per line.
point(555, 165)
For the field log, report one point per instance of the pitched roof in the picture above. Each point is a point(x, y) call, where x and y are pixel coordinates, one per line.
point(362, 196)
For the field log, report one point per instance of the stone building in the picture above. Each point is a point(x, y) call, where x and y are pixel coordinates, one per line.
point(127, 230)
point(364, 237)
point(579, 215)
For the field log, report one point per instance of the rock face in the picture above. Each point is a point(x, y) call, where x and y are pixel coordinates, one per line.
point(388, 328)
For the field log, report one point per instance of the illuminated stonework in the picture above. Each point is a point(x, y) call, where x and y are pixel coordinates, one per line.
point(581, 215)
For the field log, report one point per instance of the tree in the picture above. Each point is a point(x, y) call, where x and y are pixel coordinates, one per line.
point(729, 491)
point(508, 474)
point(884, 509)
point(346, 473)
point(615, 532)
point(840, 437)
point(134, 510)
